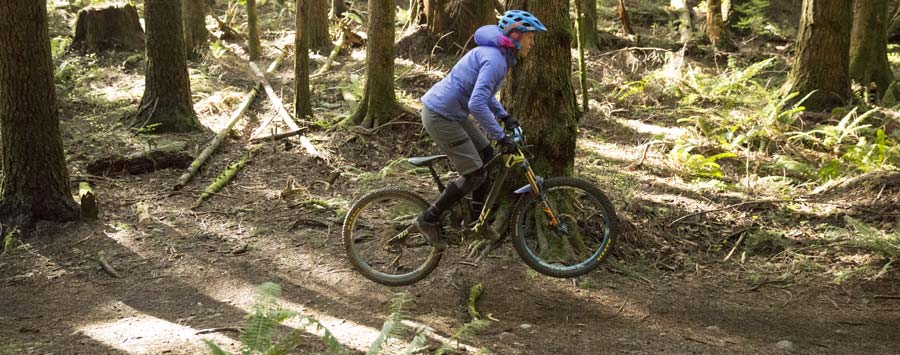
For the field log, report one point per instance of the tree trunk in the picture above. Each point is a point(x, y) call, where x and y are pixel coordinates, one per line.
point(302, 102)
point(715, 22)
point(540, 92)
point(379, 103)
point(624, 19)
point(822, 58)
point(458, 18)
point(35, 182)
point(588, 24)
point(338, 8)
point(196, 36)
point(166, 105)
point(252, 30)
point(685, 20)
point(868, 46)
point(317, 25)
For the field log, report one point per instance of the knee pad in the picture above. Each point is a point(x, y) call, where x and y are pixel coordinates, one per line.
point(471, 181)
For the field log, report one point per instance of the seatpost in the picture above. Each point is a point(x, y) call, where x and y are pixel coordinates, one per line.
point(437, 180)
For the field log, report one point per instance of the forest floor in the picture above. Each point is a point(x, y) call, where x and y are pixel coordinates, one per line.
point(673, 286)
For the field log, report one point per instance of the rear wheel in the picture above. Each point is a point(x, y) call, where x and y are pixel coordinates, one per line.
point(381, 241)
point(581, 239)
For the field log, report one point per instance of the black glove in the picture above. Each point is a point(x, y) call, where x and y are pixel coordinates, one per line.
point(507, 145)
point(510, 122)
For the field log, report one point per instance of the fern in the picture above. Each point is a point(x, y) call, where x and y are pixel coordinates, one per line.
point(418, 342)
point(467, 331)
point(266, 315)
point(327, 337)
point(393, 326)
point(870, 238)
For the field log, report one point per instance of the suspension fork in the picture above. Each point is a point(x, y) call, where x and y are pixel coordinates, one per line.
point(535, 189)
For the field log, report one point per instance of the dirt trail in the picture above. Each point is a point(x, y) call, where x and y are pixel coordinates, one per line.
point(188, 271)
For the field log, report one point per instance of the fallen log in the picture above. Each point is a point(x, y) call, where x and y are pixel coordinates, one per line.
point(171, 156)
point(226, 177)
point(204, 156)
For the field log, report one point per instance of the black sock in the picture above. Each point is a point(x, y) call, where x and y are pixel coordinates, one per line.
point(451, 195)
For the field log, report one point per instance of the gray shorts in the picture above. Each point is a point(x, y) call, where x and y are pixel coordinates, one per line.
point(460, 140)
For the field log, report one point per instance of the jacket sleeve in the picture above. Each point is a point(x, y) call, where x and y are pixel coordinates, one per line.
point(490, 75)
point(497, 108)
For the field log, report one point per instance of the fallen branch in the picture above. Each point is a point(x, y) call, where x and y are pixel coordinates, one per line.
point(276, 101)
point(736, 244)
point(220, 329)
point(101, 258)
point(474, 295)
point(644, 154)
point(226, 177)
point(891, 297)
point(204, 156)
point(721, 209)
point(277, 136)
point(310, 148)
point(331, 57)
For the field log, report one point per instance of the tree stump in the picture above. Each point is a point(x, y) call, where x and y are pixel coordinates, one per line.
point(111, 27)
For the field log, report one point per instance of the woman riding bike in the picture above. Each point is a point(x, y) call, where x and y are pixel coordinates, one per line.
point(471, 88)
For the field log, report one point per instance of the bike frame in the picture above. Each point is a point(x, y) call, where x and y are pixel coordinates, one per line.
point(510, 162)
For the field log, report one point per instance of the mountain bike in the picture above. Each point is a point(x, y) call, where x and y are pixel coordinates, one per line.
point(562, 226)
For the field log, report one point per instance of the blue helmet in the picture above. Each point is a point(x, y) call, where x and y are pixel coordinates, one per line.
point(520, 20)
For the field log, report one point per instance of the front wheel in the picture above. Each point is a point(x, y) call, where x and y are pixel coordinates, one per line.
point(582, 236)
point(381, 241)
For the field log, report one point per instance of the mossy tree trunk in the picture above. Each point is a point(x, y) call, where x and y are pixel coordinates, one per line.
point(379, 103)
point(868, 46)
point(166, 105)
point(35, 182)
point(822, 58)
point(588, 24)
point(540, 92)
point(302, 102)
point(252, 30)
point(196, 36)
point(685, 20)
point(317, 25)
point(458, 18)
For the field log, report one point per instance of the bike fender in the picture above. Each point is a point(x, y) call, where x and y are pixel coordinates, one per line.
point(523, 190)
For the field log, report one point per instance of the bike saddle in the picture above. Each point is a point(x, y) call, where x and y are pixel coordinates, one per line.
point(425, 161)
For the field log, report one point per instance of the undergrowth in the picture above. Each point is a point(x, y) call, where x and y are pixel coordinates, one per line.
point(261, 336)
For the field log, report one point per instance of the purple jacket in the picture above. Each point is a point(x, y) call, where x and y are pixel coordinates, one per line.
point(472, 85)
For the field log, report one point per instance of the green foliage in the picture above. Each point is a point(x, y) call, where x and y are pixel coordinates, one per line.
point(752, 17)
point(393, 327)
point(728, 87)
point(872, 239)
point(9, 241)
point(765, 241)
point(259, 335)
point(851, 146)
point(698, 164)
point(466, 332)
